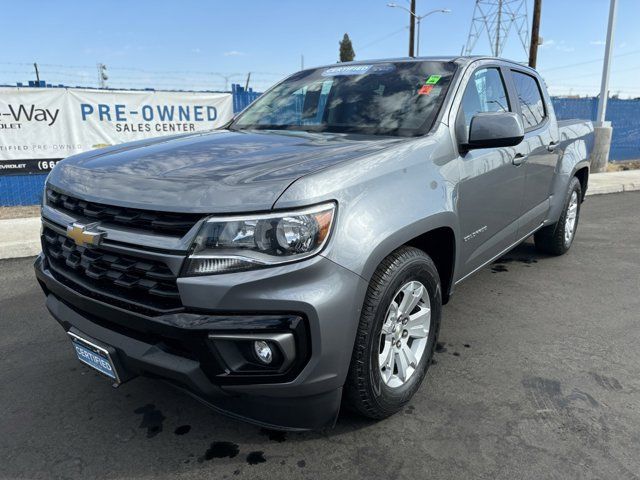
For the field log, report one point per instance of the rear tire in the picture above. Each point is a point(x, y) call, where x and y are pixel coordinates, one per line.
point(556, 239)
point(397, 334)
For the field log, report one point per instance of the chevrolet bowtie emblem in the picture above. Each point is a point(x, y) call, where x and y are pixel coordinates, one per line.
point(85, 235)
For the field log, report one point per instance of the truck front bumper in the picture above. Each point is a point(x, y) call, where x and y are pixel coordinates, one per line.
point(318, 302)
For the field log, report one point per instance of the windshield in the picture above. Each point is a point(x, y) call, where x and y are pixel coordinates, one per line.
point(400, 98)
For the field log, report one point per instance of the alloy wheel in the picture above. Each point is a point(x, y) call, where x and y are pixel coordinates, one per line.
point(571, 218)
point(404, 334)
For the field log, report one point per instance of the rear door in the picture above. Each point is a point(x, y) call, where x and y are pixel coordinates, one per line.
point(541, 137)
point(491, 180)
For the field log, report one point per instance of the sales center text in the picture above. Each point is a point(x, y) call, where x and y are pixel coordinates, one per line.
point(158, 118)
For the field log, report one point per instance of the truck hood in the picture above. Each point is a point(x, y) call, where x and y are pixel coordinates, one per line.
point(213, 172)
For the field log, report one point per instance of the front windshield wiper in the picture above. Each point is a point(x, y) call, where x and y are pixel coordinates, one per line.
point(323, 129)
point(300, 128)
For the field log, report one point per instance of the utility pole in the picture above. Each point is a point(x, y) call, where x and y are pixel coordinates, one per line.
point(496, 51)
point(301, 62)
point(417, 18)
point(35, 65)
point(606, 67)
point(102, 75)
point(246, 85)
point(602, 130)
point(412, 26)
point(535, 33)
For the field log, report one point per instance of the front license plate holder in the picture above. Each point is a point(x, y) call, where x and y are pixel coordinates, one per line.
point(95, 355)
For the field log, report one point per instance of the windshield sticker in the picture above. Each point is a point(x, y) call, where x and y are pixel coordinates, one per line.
point(425, 90)
point(382, 68)
point(432, 80)
point(346, 70)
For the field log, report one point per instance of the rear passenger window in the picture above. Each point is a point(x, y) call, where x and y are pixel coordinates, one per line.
point(485, 93)
point(531, 102)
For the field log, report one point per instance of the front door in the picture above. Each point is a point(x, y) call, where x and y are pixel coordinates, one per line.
point(491, 179)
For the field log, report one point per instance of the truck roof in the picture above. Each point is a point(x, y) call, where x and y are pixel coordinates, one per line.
point(460, 59)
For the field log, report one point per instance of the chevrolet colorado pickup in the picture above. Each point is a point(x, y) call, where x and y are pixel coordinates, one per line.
point(300, 257)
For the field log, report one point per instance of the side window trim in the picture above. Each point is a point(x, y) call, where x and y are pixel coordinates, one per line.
point(545, 119)
point(502, 72)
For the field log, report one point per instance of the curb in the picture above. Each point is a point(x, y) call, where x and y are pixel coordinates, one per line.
point(602, 190)
point(614, 182)
point(19, 237)
point(19, 250)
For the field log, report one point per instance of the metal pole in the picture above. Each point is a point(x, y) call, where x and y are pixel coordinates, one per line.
point(606, 67)
point(497, 49)
point(535, 33)
point(418, 38)
point(417, 18)
point(35, 65)
point(412, 25)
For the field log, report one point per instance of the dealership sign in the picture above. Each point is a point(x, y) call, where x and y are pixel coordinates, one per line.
point(40, 126)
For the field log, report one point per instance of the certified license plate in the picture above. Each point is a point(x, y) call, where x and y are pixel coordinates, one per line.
point(95, 356)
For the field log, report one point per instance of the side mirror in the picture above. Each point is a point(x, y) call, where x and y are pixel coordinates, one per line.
point(495, 129)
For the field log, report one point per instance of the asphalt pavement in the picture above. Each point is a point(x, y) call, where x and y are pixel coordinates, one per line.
point(537, 376)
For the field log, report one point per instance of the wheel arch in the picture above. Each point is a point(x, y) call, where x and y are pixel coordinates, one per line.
point(440, 245)
point(436, 236)
point(569, 169)
point(582, 174)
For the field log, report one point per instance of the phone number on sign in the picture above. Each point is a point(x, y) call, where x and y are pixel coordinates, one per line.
point(47, 164)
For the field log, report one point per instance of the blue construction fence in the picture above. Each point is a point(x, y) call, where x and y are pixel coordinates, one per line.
point(242, 97)
point(624, 115)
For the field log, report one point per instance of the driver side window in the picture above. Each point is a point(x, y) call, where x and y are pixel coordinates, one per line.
point(485, 93)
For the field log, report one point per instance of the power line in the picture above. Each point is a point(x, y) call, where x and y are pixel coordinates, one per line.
point(389, 35)
point(142, 70)
point(587, 62)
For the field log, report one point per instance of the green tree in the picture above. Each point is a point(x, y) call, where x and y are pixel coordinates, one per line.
point(346, 49)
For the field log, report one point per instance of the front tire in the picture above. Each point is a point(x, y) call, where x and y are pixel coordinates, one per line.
point(397, 334)
point(556, 239)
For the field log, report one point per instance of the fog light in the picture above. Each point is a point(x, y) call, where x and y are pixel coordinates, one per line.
point(263, 351)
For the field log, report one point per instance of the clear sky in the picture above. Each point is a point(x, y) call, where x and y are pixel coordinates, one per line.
point(206, 44)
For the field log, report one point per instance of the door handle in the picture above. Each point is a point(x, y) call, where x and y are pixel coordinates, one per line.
point(518, 159)
point(552, 146)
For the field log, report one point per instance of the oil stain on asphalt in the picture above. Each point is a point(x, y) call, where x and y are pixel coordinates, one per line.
point(220, 450)
point(152, 419)
point(255, 458)
point(182, 430)
point(275, 435)
point(608, 383)
point(500, 265)
point(525, 260)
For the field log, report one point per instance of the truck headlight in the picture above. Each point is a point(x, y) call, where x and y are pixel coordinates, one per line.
point(232, 244)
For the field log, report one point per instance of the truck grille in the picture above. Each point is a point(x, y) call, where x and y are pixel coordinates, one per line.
point(123, 280)
point(158, 222)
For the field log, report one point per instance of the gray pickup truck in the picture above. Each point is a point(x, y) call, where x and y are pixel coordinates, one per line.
point(300, 257)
